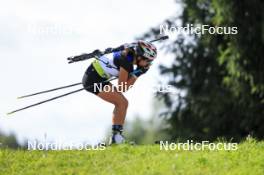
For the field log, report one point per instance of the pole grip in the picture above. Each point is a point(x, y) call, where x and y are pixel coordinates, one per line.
point(160, 38)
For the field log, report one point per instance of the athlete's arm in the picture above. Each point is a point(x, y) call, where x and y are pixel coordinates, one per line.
point(124, 79)
point(131, 79)
point(123, 76)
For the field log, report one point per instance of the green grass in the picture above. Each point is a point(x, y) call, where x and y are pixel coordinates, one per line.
point(127, 159)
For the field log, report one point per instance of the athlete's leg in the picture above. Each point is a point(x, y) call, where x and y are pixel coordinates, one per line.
point(119, 101)
point(119, 112)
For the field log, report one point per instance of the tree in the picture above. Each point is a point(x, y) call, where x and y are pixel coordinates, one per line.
point(9, 141)
point(221, 77)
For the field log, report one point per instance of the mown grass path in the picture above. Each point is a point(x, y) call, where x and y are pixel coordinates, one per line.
point(127, 159)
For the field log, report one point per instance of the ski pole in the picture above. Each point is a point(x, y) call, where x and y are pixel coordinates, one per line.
point(54, 98)
point(46, 91)
point(160, 38)
point(99, 53)
point(45, 101)
point(95, 54)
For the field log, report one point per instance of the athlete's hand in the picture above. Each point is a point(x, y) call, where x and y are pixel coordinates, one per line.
point(140, 71)
point(98, 52)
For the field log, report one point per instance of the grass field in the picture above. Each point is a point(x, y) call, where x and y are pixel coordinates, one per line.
point(128, 159)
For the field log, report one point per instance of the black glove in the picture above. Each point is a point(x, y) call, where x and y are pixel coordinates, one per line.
point(97, 52)
point(108, 50)
point(140, 71)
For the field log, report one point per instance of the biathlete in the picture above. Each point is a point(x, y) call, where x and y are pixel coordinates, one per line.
point(127, 66)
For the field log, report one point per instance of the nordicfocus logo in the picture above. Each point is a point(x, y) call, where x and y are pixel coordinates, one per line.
point(198, 29)
point(58, 145)
point(204, 145)
point(122, 87)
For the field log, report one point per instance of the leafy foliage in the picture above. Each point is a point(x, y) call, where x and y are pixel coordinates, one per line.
point(221, 77)
point(9, 141)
